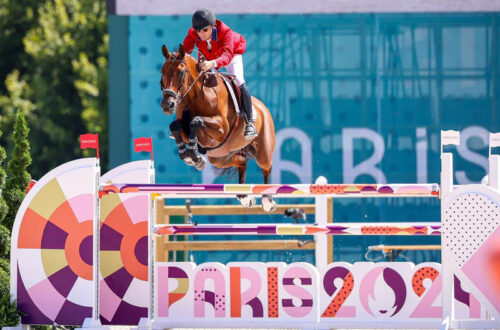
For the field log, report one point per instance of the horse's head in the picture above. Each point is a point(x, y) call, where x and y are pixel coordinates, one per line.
point(174, 77)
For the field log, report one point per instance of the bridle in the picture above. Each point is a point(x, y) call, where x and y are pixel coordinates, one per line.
point(177, 95)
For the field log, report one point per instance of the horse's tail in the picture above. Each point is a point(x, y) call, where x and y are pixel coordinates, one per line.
point(226, 171)
point(248, 152)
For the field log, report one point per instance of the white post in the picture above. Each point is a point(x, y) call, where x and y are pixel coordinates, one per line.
point(151, 246)
point(321, 218)
point(145, 323)
point(494, 175)
point(447, 137)
point(446, 173)
point(94, 321)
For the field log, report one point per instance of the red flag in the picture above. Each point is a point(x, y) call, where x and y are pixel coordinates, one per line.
point(144, 144)
point(30, 185)
point(90, 141)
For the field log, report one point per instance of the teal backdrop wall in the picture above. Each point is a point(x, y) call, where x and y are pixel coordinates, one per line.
point(355, 98)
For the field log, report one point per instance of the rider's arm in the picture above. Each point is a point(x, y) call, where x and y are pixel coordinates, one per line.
point(227, 50)
point(189, 42)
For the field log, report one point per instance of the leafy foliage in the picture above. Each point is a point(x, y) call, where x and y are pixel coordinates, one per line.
point(4, 283)
point(9, 315)
point(3, 205)
point(18, 176)
point(5, 265)
point(62, 89)
point(4, 242)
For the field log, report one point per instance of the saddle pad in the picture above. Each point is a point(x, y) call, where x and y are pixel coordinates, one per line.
point(231, 86)
point(233, 96)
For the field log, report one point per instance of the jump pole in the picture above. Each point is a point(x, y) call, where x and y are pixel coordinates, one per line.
point(276, 190)
point(361, 229)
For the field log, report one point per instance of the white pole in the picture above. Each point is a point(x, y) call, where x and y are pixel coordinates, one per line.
point(151, 245)
point(494, 175)
point(446, 173)
point(146, 322)
point(447, 137)
point(94, 321)
point(321, 218)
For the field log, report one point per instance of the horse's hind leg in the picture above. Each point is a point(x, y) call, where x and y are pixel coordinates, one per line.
point(268, 203)
point(245, 200)
point(263, 153)
point(239, 161)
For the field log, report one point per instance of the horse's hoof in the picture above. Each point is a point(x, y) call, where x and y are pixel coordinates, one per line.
point(268, 204)
point(188, 161)
point(246, 200)
point(201, 163)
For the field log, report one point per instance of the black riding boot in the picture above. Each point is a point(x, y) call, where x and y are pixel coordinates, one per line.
point(246, 105)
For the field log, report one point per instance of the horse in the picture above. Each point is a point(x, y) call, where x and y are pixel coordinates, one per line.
point(207, 121)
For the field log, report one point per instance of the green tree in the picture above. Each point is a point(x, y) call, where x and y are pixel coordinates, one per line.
point(4, 242)
point(4, 232)
point(3, 205)
point(63, 92)
point(17, 17)
point(4, 265)
point(18, 177)
point(4, 284)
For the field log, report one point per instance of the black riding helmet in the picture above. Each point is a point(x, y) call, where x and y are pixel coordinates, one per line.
point(203, 18)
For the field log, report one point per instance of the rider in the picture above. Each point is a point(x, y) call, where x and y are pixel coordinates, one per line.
point(222, 47)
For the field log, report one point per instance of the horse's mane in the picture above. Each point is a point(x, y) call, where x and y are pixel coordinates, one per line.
point(187, 58)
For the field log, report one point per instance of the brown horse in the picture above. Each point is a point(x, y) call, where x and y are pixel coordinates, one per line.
point(206, 117)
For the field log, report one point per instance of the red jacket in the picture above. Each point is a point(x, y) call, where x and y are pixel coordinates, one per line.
point(225, 44)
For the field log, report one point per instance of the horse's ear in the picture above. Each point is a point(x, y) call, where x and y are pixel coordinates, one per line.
point(182, 52)
point(165, 52)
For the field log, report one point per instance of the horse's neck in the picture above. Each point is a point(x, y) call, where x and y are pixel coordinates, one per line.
point(206, 104)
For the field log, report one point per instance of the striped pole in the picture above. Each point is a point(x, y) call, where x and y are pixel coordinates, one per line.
point(279, 190)
point(384, 229)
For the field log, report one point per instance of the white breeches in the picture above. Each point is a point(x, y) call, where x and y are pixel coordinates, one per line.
point(236, 68)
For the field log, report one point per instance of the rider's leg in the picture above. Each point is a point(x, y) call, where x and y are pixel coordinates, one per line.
point(236, 68)
point(250, 130)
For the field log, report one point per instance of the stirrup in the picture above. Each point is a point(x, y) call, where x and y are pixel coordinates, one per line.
point(250, 131)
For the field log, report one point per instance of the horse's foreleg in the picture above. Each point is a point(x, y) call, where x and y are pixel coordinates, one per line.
point(176, 128)
point(192, 150)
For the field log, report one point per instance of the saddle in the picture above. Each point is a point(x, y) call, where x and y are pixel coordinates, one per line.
point(231, 85)
point(235, 88)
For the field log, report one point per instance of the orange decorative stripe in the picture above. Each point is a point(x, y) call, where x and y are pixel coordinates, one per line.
point(257, 189)
point(31, 231)
point(312, 230)
point(235, 287)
